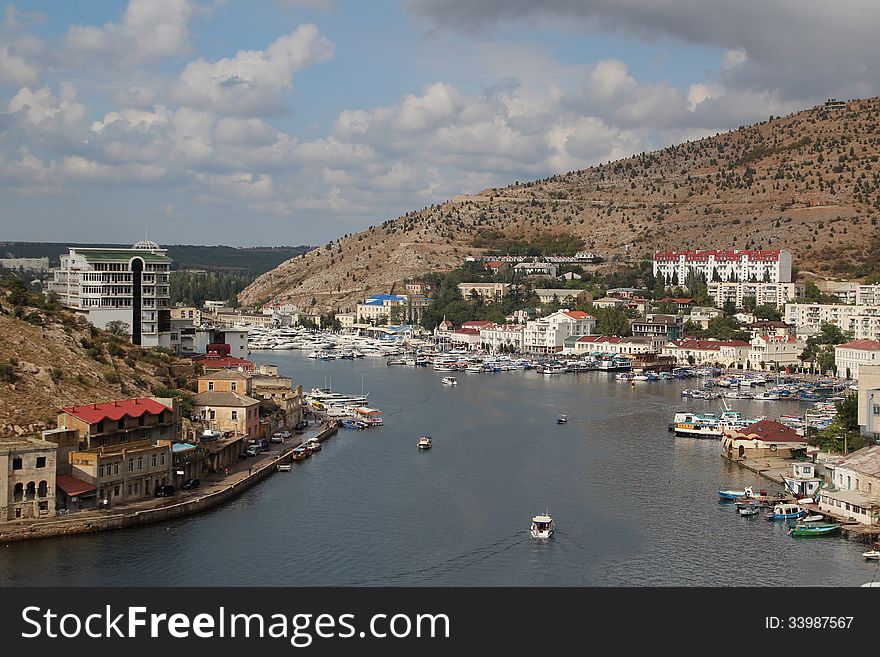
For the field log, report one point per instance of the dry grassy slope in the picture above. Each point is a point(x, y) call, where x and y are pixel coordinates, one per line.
point(30, 404)
point(807, 182)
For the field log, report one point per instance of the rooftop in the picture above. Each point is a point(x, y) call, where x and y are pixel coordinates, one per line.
point(865, 461)
point(865, 345)
point(116, 410)
point(215, 398)
point(771, 431)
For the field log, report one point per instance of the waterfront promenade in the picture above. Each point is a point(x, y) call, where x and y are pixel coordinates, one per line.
point(214, 490)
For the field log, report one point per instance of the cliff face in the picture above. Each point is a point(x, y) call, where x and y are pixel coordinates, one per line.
point(807, 182)
point(51, 360)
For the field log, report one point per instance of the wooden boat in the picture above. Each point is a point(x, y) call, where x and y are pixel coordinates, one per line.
point(786, 512)
point(813, 529)
point(748, 510)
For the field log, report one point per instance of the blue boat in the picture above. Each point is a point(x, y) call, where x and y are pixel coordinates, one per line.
point(734, 494)
point(786, 512)
point(352, 424)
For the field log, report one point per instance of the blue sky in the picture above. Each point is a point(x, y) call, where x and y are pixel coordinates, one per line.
point(297, 121)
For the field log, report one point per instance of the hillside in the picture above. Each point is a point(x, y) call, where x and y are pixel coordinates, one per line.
point(807, 182)
point(50, 359)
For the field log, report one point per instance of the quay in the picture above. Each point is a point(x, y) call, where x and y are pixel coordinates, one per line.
point(216, 491)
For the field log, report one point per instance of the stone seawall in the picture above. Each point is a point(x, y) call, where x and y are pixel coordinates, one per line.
point(125, 520)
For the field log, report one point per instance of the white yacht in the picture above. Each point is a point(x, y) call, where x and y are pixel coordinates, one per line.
point(424, 442)
point(542, 526)
point(449, 381)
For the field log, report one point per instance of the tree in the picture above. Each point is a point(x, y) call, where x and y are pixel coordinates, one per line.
point(767, 311)
point(118, 327)
point(612, 321)
point(843, 434)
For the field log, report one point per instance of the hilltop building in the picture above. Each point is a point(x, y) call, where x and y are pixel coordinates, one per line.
point(770, 266)
point(119, 285)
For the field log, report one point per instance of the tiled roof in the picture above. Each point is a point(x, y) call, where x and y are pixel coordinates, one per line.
point(73, 486)
point(115, 410)
point(866, 345)
point(772, 432)
point(707, 345)
point(865, 461)
point(578, 314)
point(215, 398)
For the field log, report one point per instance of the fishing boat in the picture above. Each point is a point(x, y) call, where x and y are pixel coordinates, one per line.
point(542, 526)
point(425, 442)
point(786, 512)
point(750, 510)
point(449, 381)
point(561, 419)
point(871, 554)
point(813, 529)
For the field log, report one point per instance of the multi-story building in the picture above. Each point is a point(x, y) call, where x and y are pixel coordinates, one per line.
point(869, 401)
point(506, 337)
point(609, 344)
point(191, 340)
point(489, 292)
point(122, 421)
point(774, 294)
point(851, 356)
point(547, 335)
point(668, 327)
point(770, 266)
point(702, 315)
point(862, 321)
point(868, 295)
point(843, 291)
point(563, 295)
point(724, 353)
point(124, 472)
point(380, 308)
point(228, 411)
point(130, 286)
point(547, 269)
point(856, 492)
point(39, 265)
point(27, 478)
point(774, 352)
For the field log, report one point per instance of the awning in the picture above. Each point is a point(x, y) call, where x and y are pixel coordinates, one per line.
point(74, 487)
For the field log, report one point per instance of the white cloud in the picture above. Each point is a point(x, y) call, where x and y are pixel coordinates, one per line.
point(148, 30)
point(253, 81)
point(697, 93)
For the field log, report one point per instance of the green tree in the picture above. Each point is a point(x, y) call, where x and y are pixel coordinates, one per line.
point(767, 311)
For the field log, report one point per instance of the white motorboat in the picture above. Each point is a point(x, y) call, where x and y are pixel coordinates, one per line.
point(871, 554)
point(542, 526)
point(425, 442)
point(449, 381)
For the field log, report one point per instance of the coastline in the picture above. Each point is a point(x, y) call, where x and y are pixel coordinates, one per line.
point(100, 521)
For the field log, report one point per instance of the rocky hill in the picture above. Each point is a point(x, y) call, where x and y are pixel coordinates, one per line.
point(50, 359)
point(807, 182)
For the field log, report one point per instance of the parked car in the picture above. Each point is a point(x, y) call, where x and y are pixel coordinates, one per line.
point(253, 450)
point(165, 491)
point(189, 484)
point(302, 424)
point(277, 438)
point(262, 444)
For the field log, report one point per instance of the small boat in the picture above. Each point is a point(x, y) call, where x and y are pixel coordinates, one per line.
point(562, 419)
point(786, 512)
point(750, 510)
point(425, 442)
point(734, 494)
point(814, 518)
point(300, 454)
point(542, 526)
point(871, 554)
point(349, 423)
point(813, 529)
point(284, 467)
point(449, 381)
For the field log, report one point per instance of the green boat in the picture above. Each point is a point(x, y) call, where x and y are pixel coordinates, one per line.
point(813, 529)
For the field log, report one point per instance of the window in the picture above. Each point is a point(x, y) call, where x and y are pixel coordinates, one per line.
point(130, 469)
point(100, 471)
point(213, 415)
point(234, 415)
point(41, 461)
point(16, 464)
point(116, 470)
point(153, 460)
point(234, 386)
point(162, 460)
point(210, 385)
point(140, 462)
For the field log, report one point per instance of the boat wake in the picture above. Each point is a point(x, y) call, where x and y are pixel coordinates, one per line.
point(447, 566)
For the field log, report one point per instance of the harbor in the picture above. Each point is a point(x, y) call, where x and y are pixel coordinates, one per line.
point(632, 504)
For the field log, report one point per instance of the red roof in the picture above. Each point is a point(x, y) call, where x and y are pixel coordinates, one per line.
point(116, 410)
point(214, 359)
point(772, 432)
point(476, 324)
point(73, 486)
point(467, 331)
point(866, 345)
point(579, 314)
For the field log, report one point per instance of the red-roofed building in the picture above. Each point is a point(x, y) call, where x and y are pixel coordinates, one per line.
point(721, 353)
point(762, 439)
point(547, 335)
point(771, 266)
point(850, 356)
point(605, 344)
point(218, 359)
point(468, 336)
point(121, 421)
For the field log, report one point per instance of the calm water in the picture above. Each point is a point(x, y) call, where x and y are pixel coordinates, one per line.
point(633, 504)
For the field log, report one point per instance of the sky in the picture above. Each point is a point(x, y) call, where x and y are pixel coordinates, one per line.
point(285, 122)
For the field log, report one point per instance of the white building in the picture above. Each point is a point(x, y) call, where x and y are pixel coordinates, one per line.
point(868, 295)
point(775, 294)
point(702, 315)
point(547, 335)
point(726, 353)
point(771, 266)
point(27, 264)
point(507, 336)
point(869, 401)
point(771, 352)
point(851, 356)
point(377, 309)
point(562, 295)
point(862, 321)
point(857, 484)
point(609, 344)
point(488, 291)
point(119, 285)
point(536, 269)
